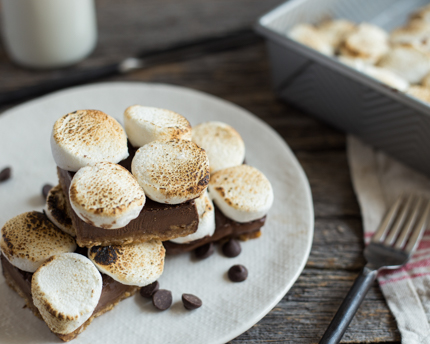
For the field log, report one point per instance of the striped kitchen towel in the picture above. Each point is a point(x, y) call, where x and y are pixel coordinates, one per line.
point(378, 180)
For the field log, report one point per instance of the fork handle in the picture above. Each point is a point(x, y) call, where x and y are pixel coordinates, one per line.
point(349, 307)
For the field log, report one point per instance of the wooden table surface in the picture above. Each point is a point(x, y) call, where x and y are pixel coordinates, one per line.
point(242, 77)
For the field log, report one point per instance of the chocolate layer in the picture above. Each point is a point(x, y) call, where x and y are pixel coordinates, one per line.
point(155, 221)
point(224, 228)
point(112, 293)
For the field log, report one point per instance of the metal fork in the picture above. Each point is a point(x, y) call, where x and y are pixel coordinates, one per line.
point(391, 247)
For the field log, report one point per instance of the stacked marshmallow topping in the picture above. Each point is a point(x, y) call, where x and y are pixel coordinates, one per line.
point(29, 239)
point(135, 264)
point(85, 137)
point(223, 144)
point(56, 210)
point(64, 300)
point(106, 195)
point(242, 193)
point(146, 124)
point(172, 171)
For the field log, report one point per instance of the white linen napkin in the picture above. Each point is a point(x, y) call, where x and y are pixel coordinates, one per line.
point(378, 180)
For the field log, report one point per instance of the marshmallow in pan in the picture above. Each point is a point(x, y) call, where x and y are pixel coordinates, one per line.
point(308, 35)
point(420, 92)
point(422, 14)
point(335, 31)
point(171, 172)
point(56, 210)
point(66, 290)
point(137, 264)
point(29, 239)
point(206, 211)
point(408, 62)
point(367, 42)
point(223, 145)
point(85, 137)
point(146, 124)
point(106, 195)
point(416, 33)
point(387, 77)
point(242, 193)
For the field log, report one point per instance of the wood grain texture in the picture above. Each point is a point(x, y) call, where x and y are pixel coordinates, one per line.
point(242, 77)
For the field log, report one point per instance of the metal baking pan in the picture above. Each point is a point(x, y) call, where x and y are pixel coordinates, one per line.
point(331, 91)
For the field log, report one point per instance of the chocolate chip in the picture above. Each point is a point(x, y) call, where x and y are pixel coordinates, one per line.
point(237, 273)
point(162, 299)
point(191, 301)
point(45, 190)
point(204, 251)
point(148, 290)
point(5, 174)
point(231, 248)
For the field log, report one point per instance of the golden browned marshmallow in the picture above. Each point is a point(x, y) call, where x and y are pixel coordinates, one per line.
point(308, 35)
point(66, 290)
point(106, 195)
point(56, 210)
point(242, 193)
point(85, 137)
point(137, 264)
point(171, 172)
point(410, 63)
point(420, 92)
point(335, 31)
point(29, 239)
point(422, 14)
point(223, 145)
point(416, 33)
point(145, 124)
point(367, 42)
point(387, 77)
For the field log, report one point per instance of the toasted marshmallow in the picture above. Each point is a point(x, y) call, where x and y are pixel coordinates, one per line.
point(387, 77)
point(335, 31)
point(56, 210)
point(416, 33)
point(223, 145)
point(422, 93)
point(137, 264)
point(367, 42)
point(85, 137)
point(66, 290)
point(29, 239)
point(206, 211)
point(308, 35)
point(106, 195)
point(422, 14)
point(408, 62)
point(146, 124)
point(171, 172)
point(355, 63)
point(242, 193)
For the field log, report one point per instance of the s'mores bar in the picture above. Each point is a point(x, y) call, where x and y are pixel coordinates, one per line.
point(68, 286)
point(110, 206)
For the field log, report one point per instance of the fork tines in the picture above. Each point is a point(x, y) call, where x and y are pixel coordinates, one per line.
point(404, 224)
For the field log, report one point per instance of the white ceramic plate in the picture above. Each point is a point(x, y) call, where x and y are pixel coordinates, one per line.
point(274, 261)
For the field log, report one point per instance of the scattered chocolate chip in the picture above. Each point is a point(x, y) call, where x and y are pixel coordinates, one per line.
point(162, 299)
point(237, 273)
point(148, 290)
point(231, 248)
point(45, 190)
point(5, 174)
point(204, 251)
point(191, 301)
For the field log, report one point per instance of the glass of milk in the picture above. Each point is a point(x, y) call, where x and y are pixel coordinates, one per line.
point(48, 33)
